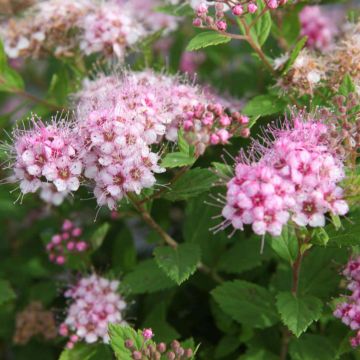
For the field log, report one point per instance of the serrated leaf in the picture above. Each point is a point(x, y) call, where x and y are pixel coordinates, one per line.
point(261, 29)
point(205, 39)
point(223, 170)
point(347, 86)
point(6, 292)
point(178, 263)
point(264, 105)
point(348, 234)
point(246, 303)
point(183, 145)
point(177, 159)
point(286, 245)
point(312, 347)
point(244, 255)
point(294, 54)
point(99, 235)
point(147, 277)
point(193, 183)
point(118, 335)
point(298, 313)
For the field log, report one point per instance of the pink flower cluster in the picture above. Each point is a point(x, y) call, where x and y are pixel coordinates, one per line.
point(119, 120)
point(238, 8)
point(295, 174)
point(349, 311)
point(66, 242)
point(47, 157)
point(94, 304)
point(318, 26)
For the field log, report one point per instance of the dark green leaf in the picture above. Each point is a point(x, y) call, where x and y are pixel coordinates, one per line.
point(191, 184)
point(6, 292)
point(312, 347)
point(246, 303)
point(347, 86)
point(207, 38)
point(298, 313)
point(147, 277)
point(87, 352)
point(227, 345)
point(178, 263)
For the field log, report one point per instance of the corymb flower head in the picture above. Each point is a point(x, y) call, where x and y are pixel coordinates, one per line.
point(94, 303)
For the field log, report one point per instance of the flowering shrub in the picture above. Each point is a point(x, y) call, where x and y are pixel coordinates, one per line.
point(180, 180)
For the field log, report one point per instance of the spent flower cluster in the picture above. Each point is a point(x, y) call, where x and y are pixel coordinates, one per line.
point(349, 310)
point(94, 304)
point(66, 242)
point(105, 27)
point(294, 175)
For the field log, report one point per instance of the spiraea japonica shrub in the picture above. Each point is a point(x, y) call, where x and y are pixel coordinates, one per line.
point(179, 180)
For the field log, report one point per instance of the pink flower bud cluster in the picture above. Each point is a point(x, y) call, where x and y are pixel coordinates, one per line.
point(205, 19)
point(66, 242)
point(94, 304)
point(47, 157)
point(349, 311)
point(295, 176)
point(318, 26)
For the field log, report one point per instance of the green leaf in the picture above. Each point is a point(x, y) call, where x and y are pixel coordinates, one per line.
point(118, 335)
point(223, 170)
point(6, 292)
point(99, 235)
point(294, 54)
point(264, 105)
point(207, 38)
point(178, 263)
point(177, 159)
point(196, 229)
point(124, 251)
point(11, 81)
point(348, 234)
point(3, 61)
point(183, 145)
point(192, 183)
point(312, 347)
point(244, 255)
point(227, 345)
point(298, 313)
point(156, 320)
point(87, 352)
point(147, 277)
point(319, 237)
point(246, 303)
point(347, 86)
point(176, 10)
point(258, 354)
point(286, 245)
point(261, 29)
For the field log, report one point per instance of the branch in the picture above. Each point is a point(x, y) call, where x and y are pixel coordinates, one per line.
point(168, 239)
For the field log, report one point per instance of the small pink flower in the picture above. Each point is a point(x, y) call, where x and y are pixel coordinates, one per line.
point(147, 334)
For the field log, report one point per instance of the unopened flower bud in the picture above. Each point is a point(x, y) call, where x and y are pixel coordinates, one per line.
point(237, 10)
point(188, 353)
point(137, 355)
point(252, 8)
point(197, 22)
point(147, 334)
point(129, 344)
point(175, 345)
point(171, 356)
point(221, 25)
point(161, 347)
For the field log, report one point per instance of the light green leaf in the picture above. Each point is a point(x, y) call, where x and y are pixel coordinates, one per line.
point(11, 81)
point(176, 10)
point(247, 303)
point(312, 347)
point(87, 352)
point(264, 105)
point(191, 184)
point(347, 86)
point(207, 38)
point(178, 263)
point(147, 277)
point(298, 313)
point(319, 237)
point(99, 235)
point(118, 335)
point(6, 292)
point(177, 159)
point(286, 245)
point(294, 54)
point(223, 170)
